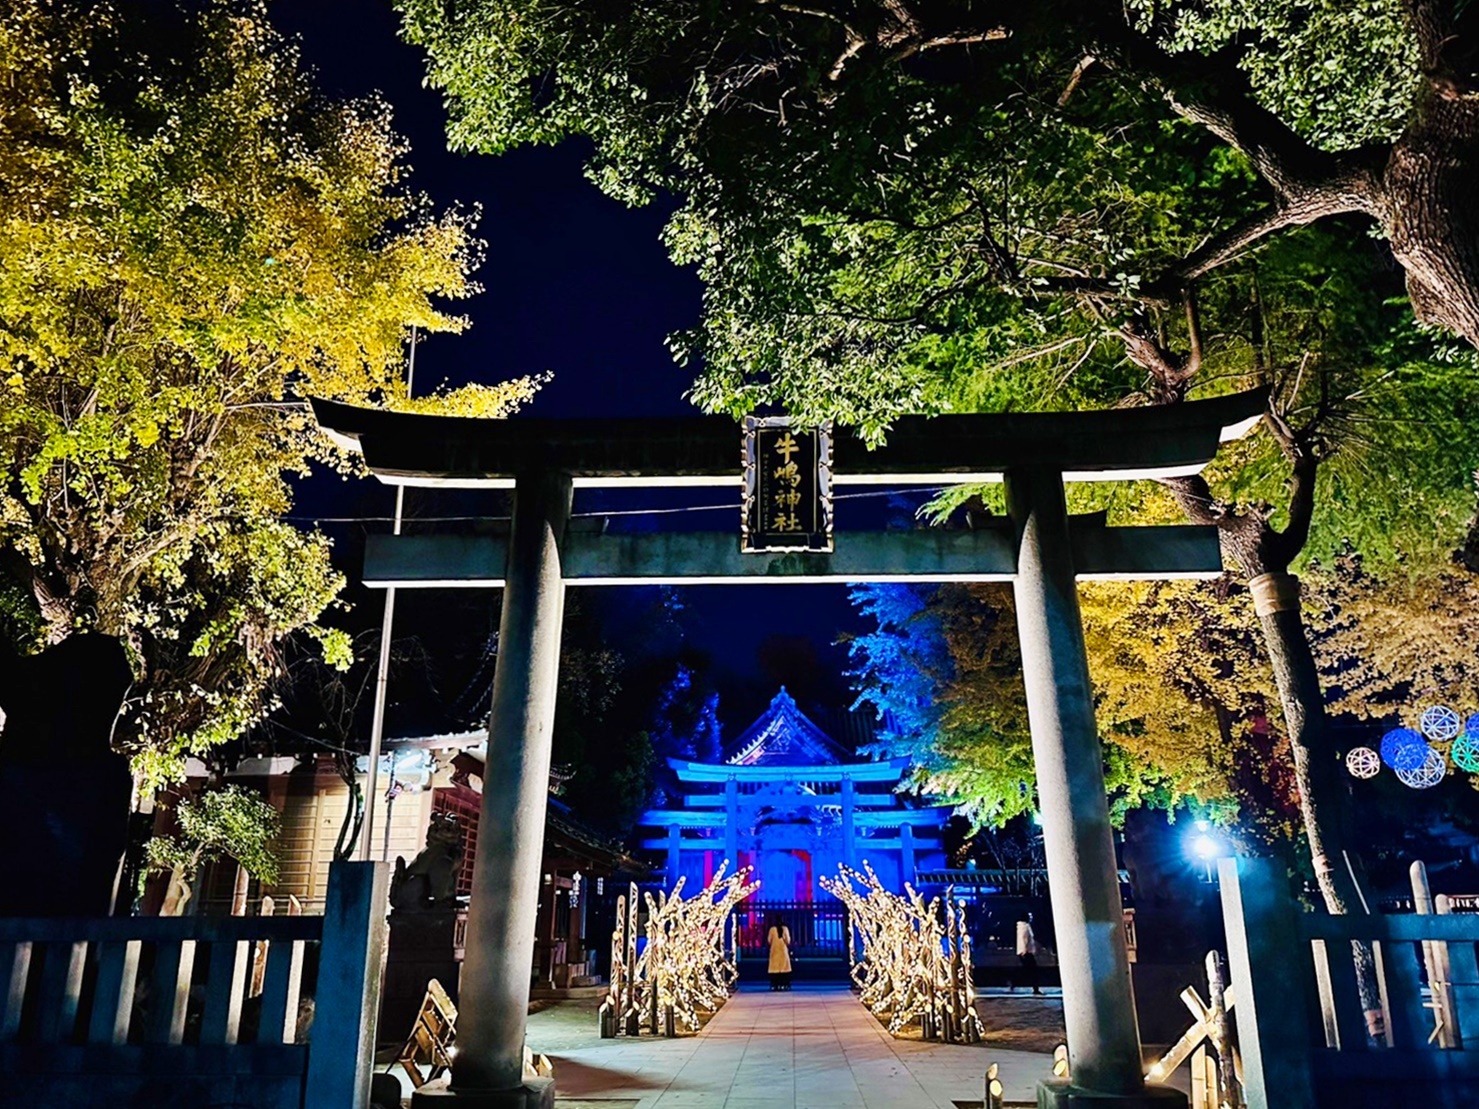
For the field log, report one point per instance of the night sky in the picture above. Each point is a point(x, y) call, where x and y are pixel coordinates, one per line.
point(577, 284)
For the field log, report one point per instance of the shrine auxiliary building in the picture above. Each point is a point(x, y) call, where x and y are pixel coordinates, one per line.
point(794, 804)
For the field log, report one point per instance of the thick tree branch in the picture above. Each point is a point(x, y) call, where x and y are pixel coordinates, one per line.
point(1229, 245)
point(1286, 545)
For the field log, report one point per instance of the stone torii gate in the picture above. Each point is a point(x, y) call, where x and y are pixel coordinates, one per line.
point(1039, 548)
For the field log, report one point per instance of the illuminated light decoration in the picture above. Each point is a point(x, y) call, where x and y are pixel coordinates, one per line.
point(1465, 750)
point(1440, 723)
point(1428, 774)
point(1206, 848)
point(1362, 762)
point(1404, 749)
point(688, 966)
point(915, 964)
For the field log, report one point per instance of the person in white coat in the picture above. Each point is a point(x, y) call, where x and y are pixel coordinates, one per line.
point(779, 941)
point(1027, 954)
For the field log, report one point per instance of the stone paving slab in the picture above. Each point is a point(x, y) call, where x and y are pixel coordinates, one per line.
point(811, 1048)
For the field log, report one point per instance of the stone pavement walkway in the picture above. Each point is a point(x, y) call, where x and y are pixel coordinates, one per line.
point(812, 1048)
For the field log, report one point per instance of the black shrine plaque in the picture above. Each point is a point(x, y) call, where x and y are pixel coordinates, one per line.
point(788, 487)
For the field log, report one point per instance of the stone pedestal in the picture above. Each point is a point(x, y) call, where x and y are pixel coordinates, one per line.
point(534, 1093)
point(1058, 1093)
point(421, 948)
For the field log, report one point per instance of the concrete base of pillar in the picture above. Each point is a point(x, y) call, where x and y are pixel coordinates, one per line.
point(535, 1093)
point(1057, 1093)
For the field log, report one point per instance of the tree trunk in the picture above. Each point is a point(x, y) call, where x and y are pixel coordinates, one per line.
point(178, 895)
point(1316, 765)
point(1265, 554)
point(354, 819)
point(1430, 216)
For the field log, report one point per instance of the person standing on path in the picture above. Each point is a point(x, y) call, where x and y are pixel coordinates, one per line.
point(779, 941)
point(1027, 953)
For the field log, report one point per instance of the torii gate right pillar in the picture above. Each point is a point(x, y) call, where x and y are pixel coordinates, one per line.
point(1105, 1067)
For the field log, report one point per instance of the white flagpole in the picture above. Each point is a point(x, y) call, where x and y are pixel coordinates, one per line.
point(382, 674)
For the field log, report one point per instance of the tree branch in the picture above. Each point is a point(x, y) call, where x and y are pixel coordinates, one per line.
point(1213, 92)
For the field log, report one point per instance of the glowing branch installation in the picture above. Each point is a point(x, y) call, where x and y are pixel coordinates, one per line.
point(687, 966)
point(915, 963)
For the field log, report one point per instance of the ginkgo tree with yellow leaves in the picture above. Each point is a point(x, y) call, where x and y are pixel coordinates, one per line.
point(192, 241)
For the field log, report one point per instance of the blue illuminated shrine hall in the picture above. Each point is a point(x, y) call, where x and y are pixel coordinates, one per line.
point(794, 803)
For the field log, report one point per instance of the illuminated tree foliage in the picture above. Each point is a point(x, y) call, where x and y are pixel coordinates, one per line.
point(943, 672)
point(1395, 645)
point(191, 242)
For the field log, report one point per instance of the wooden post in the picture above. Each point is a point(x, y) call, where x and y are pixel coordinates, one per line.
point(1464, 976)
point(1265, 956)
point(1435, 961)
point(1222, 1040)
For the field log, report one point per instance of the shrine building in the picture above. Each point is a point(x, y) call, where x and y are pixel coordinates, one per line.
point(794, 804)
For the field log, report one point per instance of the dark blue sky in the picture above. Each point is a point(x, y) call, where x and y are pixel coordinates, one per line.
point(577, 284)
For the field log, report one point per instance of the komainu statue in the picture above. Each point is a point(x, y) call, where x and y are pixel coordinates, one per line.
point(430, 881)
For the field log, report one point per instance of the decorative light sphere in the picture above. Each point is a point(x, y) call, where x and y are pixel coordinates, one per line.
point(1362, 762)
point(1426, 776)
point(1465, 749)
point(1404, 749)
point(1439, 722)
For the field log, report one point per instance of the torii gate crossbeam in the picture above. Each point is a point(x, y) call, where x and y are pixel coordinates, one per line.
point(1042, 551)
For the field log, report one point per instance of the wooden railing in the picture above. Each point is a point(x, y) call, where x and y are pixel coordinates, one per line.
point(818, 928)
point(1300, 1021)
point(1021, 881)
point(196, 1011)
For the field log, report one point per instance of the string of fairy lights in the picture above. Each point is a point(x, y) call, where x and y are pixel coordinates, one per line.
point(688, 966)
point(914, 968)
point(915, 963)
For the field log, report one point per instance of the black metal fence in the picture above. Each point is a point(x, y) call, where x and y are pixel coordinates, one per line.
point(818, 928)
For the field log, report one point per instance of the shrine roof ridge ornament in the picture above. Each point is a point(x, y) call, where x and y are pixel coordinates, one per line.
point(1155, 441)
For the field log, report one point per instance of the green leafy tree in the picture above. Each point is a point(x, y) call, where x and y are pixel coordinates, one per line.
point(192, 241)
point(944, 148)
point(229, 822)
point(943, 670)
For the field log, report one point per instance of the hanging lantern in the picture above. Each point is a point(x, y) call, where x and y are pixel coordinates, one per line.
point(1363, 762)
point(1404, 749)
point(1465, 750)
point(1432, 771)
point(1439, 723)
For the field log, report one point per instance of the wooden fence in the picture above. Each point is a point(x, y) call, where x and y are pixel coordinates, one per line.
point(159, 1011)
point(1300, 1025)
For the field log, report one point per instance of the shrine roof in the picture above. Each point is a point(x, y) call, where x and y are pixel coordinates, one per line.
point(783, 736)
